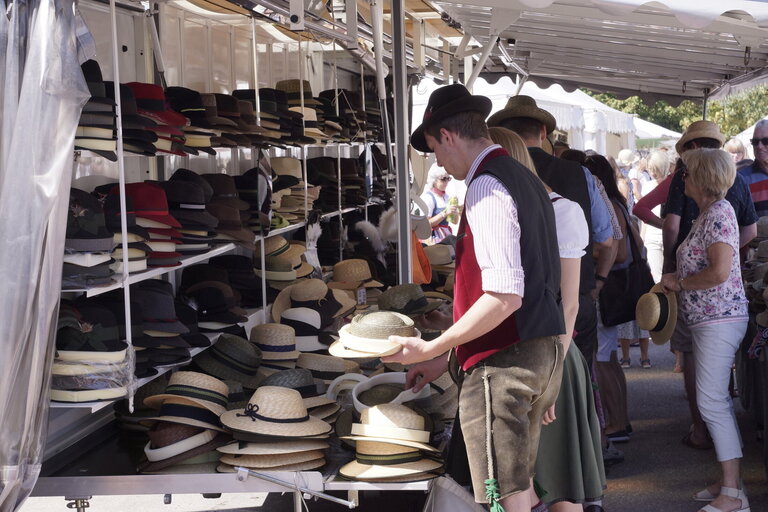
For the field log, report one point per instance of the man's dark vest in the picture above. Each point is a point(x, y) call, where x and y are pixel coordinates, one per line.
point(541, 312)
point(567, 179)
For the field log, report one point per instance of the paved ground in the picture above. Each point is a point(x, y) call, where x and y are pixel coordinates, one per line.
point(659, 473)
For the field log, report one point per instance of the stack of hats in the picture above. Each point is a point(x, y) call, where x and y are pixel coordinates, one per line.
point(351, 116)
point(186, 425)
point(187, 201)
point(307, 324)
point(301, 379)
point(283, 263)
point(277, 344)
point(242, 277)
point(151, 103)
point(441, 258)
point(276, 116)
point(138, 134)
point(269, 131)
point(314, 294)
point(196, 229)
point(353, 184)
point(150, 206)
point(161, 342)
point(92, 362)
point(131, 422)
point(228, 133)
point(229, 107)
point(88, 243)
point(367, 336)
point(96, 129)
point(232, 358)
point(138, 250)
point(391, 445)
point(276, 433)
point(254, 186)
point(230, 211)
point(329, 242)
point(199, 135)
point(329, 122)
point(207, 289)
point(325, 368)
point(288, 189)
point(323, 172)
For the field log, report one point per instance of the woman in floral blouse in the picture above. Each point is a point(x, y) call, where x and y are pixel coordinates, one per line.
point(712, 301)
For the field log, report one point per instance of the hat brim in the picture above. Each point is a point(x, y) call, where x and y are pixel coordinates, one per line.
point(360, 471)
point(283, 302)
point(161, 464)
point(539, 114)
point(470, 103)
point(148, 422)
point(338, 349)
point(301, 466)
point(273, 448)
point(269, 461)
point(155, 401)
point(311, 427)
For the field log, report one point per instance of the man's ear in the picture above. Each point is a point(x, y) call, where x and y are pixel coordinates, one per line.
point(447, 137)
point(542, 133)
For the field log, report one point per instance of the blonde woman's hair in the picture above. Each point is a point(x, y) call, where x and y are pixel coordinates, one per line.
point(658, 165)
point(736, 146)
point(712, 170)
point(514, 145)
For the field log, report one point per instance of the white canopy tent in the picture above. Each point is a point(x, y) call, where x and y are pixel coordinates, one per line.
point(648, 130)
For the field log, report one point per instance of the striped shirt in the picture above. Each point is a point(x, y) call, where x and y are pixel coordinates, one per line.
point(492, 216)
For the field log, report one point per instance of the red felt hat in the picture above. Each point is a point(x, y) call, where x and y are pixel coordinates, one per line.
point(150, 102)
point(149, 202)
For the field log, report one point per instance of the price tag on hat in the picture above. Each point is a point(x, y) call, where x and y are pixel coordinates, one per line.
point(362, 296)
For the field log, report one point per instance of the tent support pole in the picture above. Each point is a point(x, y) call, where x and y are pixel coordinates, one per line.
point(400, 86)
point(706, 104)
point(481, 63)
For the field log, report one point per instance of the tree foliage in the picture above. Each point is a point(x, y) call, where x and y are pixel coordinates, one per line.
point(733, 114)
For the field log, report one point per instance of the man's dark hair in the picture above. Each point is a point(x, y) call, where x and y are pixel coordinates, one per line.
point(703, 142)
point(526, 127)
point(600, 167)
point(575, 155)
point(467, 125)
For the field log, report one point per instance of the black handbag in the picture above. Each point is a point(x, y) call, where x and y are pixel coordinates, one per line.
point(624, 287)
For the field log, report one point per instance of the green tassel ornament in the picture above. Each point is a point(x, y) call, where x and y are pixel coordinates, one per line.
point(492, 495)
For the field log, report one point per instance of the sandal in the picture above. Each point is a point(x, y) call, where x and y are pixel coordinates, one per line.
point(645, 363)
point(625, 363)
point(733, 493)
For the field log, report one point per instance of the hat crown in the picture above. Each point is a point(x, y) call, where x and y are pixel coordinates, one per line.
point(444, 95)
point(196, 380)
point(352, 270)
point(286, 165)
point(292, 378)
point(381, 325)
point(278, 403)
point(309, 114)
point(307, 316)
point(439, 254)
point(239, 349)
point(273, 334)
point(380, 448)
point(321, 362)
point(521, 100)
point(309, 289)
point(392, 415)
point(397, 297)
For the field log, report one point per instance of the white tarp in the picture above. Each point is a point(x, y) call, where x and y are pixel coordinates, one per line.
point(648, 130)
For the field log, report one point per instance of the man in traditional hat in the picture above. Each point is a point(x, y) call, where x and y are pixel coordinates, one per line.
point(679, 212)
point(507, 310)
point(574, 182)
point(756, 175)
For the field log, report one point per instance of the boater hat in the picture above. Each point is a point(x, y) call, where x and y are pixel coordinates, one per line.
point(313, 294)
point(394, 424)
point(699, 130)
point(353, 274)
point(275, 411)
point(656, 312)
point(302, 381)
point(368, 335)
point(443, 103)
point(523, 106)
point(276, 341)
point(233, 358)
point(195, 388)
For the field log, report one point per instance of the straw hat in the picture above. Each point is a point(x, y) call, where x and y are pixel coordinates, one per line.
point(233, 358)
point(307, 323)
point(326, 368)
point(276, 341)
point(353, 274)
point(194, 388)
point(627, 157)
point(440, 257)
point(656, 312)
point(301, 466)
point(368, 335)
point(376, 460)
point(394, 424)
point(314, 294)
point(302, 381)
point(273, 447)
point(272, 460)
point(699, 130)
point(172, 443)
point(327, 412)
point(311, 126)
point(410, 299)
point(523, 106)
point(175, 411)
point(275, 411)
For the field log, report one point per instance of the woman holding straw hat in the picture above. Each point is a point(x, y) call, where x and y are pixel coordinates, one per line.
point(713, 304)
point(572, 422)
point(435, 198)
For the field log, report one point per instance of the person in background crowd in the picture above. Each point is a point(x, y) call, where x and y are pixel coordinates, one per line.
point(738, 152)
point(572, 181)
point(621, 181)
point(756, 174)
point(713, 304)
point(560, 146)
point(626, 160)
point(639, 175)
point(435, 198)
point(610, 376)
point(679, 213)
point(573, 438)
point(507, 281)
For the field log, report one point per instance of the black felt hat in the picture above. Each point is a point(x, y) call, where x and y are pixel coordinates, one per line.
point(445, 102)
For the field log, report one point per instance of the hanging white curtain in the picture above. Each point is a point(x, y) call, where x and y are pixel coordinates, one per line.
point(42, 91)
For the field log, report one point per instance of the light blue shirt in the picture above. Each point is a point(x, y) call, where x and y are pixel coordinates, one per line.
point(601, 217)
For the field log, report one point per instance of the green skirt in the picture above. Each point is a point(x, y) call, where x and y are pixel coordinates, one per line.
point(569, 465)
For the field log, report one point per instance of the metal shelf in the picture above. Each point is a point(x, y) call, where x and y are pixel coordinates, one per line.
point(153, 272)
